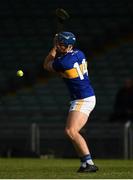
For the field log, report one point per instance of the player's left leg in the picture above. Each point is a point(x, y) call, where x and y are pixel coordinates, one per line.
point(76, 120)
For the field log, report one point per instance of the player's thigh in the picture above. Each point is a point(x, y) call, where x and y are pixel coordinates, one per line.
point(79, 112)
point(76, 120)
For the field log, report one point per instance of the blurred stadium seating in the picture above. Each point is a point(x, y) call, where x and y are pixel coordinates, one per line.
point(103, 28)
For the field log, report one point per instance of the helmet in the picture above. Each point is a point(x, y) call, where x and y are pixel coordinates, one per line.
point(65, 38)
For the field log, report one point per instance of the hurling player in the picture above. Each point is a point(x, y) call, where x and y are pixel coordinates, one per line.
point(71, 64)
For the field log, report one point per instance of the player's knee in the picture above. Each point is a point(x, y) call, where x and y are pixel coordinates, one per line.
point(71, 133)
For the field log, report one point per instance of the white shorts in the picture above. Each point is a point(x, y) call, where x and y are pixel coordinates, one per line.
point(85, 105)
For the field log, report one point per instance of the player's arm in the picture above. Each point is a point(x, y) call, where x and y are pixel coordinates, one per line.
point(48, 61)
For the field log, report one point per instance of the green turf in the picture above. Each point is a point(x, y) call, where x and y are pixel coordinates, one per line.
point(63, 169)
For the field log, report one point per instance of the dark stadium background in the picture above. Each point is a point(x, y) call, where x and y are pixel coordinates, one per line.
point(33, 108)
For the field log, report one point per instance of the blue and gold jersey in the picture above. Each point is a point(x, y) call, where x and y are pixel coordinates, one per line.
point(73, 68)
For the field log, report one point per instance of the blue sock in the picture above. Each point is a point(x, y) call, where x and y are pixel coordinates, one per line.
point(86, 159)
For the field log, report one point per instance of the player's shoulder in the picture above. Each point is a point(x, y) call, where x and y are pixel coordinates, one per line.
point(76, 51)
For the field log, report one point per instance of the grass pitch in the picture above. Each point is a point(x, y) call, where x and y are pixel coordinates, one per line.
point(63, 169)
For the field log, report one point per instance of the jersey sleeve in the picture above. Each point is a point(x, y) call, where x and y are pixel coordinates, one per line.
point(57, 66)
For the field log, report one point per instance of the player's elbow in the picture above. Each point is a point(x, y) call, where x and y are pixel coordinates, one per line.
point(48, 66)
point(45, 65)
